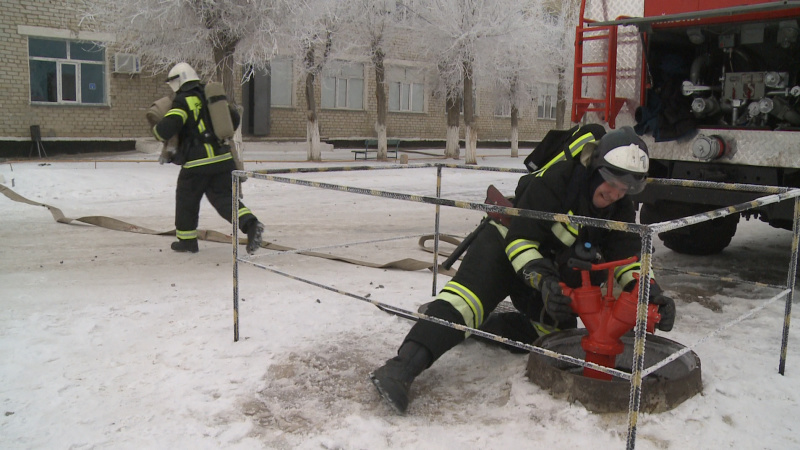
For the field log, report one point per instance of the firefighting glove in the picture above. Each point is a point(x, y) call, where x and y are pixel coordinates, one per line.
point(167, 154)
point(666, 308)
point(541, 275)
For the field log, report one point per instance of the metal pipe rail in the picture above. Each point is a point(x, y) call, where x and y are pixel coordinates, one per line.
point(646, 233)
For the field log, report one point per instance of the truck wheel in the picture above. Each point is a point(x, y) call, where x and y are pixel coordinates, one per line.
point(706, 238)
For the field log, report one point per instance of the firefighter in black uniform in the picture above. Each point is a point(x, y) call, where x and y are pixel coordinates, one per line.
point(527, 259)
point(206, 162)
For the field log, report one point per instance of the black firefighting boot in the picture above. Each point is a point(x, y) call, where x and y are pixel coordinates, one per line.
point(393, 379)
point(185, 245)
point(254, 232)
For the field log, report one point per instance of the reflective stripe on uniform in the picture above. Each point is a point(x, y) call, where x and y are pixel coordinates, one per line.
point(204, 161)
point(464, 301)
point(574, 148)
point(501, 228)
point(624, 274)
point(181, 234)
point(177, 112)
point(243, 211)
point(521, 251)
point(565, 232)
point(542, 329)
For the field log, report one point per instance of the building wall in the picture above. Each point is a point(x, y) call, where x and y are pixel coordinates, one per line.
point(129, 96)
point(430, 124)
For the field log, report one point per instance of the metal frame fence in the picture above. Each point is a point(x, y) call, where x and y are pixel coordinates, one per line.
point(645, 232)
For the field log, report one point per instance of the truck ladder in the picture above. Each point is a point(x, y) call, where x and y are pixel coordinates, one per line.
point(608, 105)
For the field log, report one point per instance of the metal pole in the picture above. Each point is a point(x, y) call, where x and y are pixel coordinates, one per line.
point(639, 341)
point(790, 283)
point(235, 242)
point(436, 229)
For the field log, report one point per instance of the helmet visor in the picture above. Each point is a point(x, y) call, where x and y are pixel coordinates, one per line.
point(625, 181)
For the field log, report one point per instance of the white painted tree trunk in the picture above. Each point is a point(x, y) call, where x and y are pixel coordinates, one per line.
point(312, 137)
point(471, 142)
point(514, 142)
point(382, 146)
point(453, 148)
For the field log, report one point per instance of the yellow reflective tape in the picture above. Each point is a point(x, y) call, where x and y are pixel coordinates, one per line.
point(195, 105)
point(204, 161)
point(542, 329)
point(565, 232)
point(575, 147)
point(464, 297)
point(177, 112)
point(201, 126)
point(158, 136)
point(577, 144)
point(459, 304)
point(182, 234)
point(519, 246)
point(243, 211)
point(624, 274)
point(501, 228)
point(524, 258)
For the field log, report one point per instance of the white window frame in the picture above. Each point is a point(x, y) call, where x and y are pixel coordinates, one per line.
point(340, 84)
point(547, 99)
point(406, 89)
point(502, 108)
point(78, 64)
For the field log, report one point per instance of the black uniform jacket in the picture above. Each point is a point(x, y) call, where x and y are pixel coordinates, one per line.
point(564, 188)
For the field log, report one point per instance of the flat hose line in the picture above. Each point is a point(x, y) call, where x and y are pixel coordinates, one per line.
point(408, 264)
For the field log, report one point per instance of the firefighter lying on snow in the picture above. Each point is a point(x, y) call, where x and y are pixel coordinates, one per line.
point(527, 259)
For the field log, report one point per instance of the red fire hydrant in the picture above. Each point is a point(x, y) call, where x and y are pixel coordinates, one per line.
point(606, 318)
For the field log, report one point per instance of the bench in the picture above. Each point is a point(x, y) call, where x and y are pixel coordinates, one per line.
point(390, 152)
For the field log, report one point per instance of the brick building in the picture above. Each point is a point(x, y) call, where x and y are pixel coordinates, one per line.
point(57, 77)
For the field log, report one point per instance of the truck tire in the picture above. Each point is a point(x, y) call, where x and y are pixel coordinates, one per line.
point(706, 238)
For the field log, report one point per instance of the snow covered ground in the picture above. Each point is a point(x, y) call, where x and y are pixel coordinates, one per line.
point(109, 339)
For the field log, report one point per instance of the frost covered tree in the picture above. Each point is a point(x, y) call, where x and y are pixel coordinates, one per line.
point(461, 38)
point(521, 59)
point(214, 36)
point(564, 19)
point(309, 33)
point(370, 27)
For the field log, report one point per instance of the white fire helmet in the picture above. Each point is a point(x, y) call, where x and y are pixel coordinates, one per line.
point(621, 159)
point(180, 74)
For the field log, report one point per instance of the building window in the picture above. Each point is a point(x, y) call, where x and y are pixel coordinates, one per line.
point(406, 89)
point(67, 72)
point(343, 87)
point(503, 108)
point(548, 94)
point(281, 86)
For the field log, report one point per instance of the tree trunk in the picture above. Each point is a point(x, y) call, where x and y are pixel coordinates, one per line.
point(514, 131)
point(382, 104)
point(224, 71)
point(452, 148)
point(561, 100)
point(312, 125)
point(470, 133)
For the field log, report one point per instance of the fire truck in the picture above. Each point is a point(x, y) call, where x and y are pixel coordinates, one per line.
point(713, 87)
